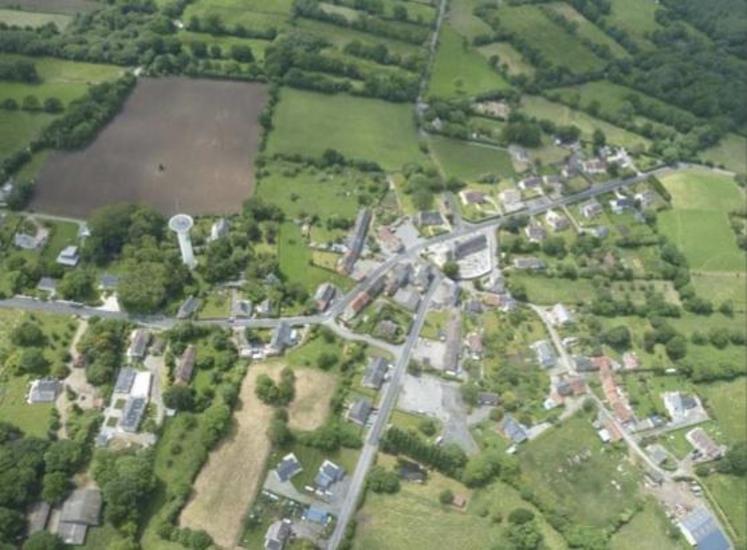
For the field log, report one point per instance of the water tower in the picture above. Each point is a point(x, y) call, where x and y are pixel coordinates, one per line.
point(181, 224)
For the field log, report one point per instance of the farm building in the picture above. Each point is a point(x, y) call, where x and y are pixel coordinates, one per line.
point(356, 241)
point(183, 372)
point(701, 529)
point(79, 512)
point(139, 340)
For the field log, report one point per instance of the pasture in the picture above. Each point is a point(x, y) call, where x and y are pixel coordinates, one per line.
point(541, 108)
point(559, 47)
point(636, 17)
point(730, 152)
point(233, 473)
point(460, 71)
point(65, 80)
point(341, 36)
point(184, 153)
point(66, 7)
point(18, 128)
point(719, 287)
point(310, 407)
point(728, 492)
point(253, 14)
point(509, 56)
point(462, 19)
point(309, 123)
point(648, 530)
point(698, 223)
point(727, 401)
point(465, 160)
point(21, 18)
point(573, 472)
point(586, 29)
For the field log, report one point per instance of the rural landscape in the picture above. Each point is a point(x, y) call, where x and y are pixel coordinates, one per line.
point(373, 274)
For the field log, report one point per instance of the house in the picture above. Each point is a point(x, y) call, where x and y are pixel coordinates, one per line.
point(422, 277)
point(389, 240)
point(38, 517)
point(361, 300)
point(139, 340)
point(265, 308)
point(6, 191)
point(398, 277)
point(657, 453)
point(511, 200)
point(599, 231)
point(535, 232)
point(621, 204)
point(488, 399)
point(705, 447)
point(473, 307)
point(80, 511)
point(47, 284)
point(518, 153)
point(472, 197)
point(386, 329)
point(512, 429)
point(528, 263)
point(429, 218)
point(409, 299)
point(584, 364)
point(183, 371)
point(574, 386)
point(545, 353)
point(324, 295)
point(329, 473)
point(679, 404)
point(282, 338)
point(356, 241)
point(108, 282)
point(472, 245)
point(376, 373)
point(594, 166)
point(219, 229)
point(43, 390)
point(188, 308)
point(241, 308)
point(278, 534)
point(531, 183)
point(315, 514)
point(359, 412)
point(557, 221)
point(560, 316)
point(474, 345)
point(288, 467)
point(646, 199)
point(25, 241)
point(68, 256)
point(701, 529)
point(591, 209)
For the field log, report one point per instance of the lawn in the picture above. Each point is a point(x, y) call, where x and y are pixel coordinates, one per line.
point(18, 128)
point(560, 114)
point(459, 71)
point(469, 161)
point(570, 470)
point(729, 152)
point(65, 80)
point(32, 19)
point(648, 530)
point(698, 224)
point(309, 123)
point(559, 47)
point(509, 56)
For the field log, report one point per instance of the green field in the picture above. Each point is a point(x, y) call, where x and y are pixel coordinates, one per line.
point(555, 44)
point(719, 287)
point(18, 128)
point(586, 29)
point(549, 290)
point(731, 152)
point(648, 530)
point(729, 492)
point(308, 123)
point(33, 19)
point(65, 80)
point(341, 36)
point(560, 114)
point(583, 490)
point(698, 223)
point(253, 14)
point(636, 17)
point(467, 161)
point(225, 42)
point(727, 401)
point(462, 19)
point(509, 56)
point(459, 71)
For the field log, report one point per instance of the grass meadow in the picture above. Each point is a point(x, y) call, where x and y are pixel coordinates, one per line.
point(636, 17)
point(509, 56)
point(253, 14)
point(33, 19)
point(729, 152)
point(648, 530)
point(309, 123)
point(467, 161)
point(586, 29)
point(18, 128)
point(462, 19)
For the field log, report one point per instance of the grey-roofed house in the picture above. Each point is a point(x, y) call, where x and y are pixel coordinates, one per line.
point(470, 246)
point(701, 529)
point(80, 511)
point(125, 379)
point(535, 232)
point(545, 353)
point(69, 256)
point(329, 473)
point(47, 284)
point(376, 372)
point(359, 411)
point(488, 399)
point(278, 534)
point(386, 329)
point(25, 241)
point(324, 295)
point(139, 340)
point(188, 308)
point(512, 429)
point(241, 308)
point(282, 338)
point(133, 413)
point(288, 467)
point(678, 404)
point(399, 276)
point(584, 364)
point(591, 209)
point(37, 517)
point(356, 241)
point(429, 218)
point(531, 183)
point(44, 390)
point(315, 514)
point(186, 366)
point(408, 298)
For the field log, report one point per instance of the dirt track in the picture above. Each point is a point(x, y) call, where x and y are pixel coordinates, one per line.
point(178, 144)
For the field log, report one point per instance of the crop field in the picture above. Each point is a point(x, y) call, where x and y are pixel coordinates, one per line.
point(33, 19)
point(462, 19)
point(65, 80)
point(698, 222)
point(309, 123)
point(587, 29)
point(459, 71)
point(183, 153)
point(310, 407)
point(233, 473)
point(253, 14)
point(67, 7)
point(729, 152)
point(560, 114)
point(466, 160)
point(509, 56)
point(556, 45)
point(581, 487)
point(18, 128)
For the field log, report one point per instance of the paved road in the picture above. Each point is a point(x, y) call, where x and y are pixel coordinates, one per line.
point(371, 445)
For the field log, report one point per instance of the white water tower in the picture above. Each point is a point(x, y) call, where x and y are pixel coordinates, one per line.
point(181, 224)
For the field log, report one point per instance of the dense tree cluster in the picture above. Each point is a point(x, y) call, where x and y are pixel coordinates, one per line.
point(19, 70)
